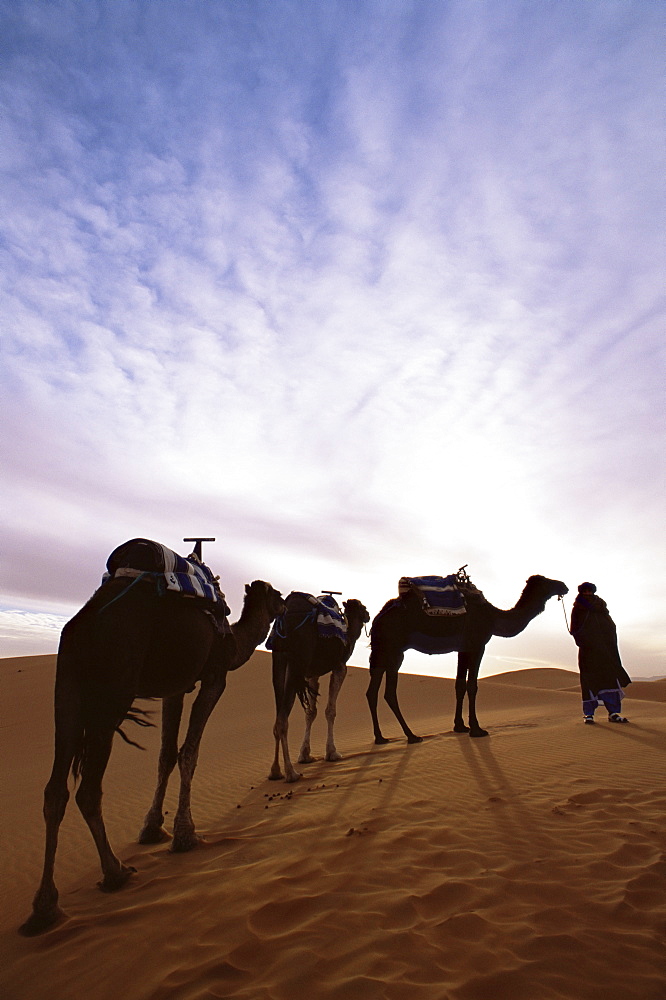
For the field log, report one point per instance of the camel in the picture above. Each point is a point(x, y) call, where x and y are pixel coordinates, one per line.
point(300, 658)
point(129, 641)
point(402, 625)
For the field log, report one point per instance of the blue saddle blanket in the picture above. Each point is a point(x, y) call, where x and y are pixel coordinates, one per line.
point(323, 611)
point(331, 622)
point(184, 575)
point(440, 595)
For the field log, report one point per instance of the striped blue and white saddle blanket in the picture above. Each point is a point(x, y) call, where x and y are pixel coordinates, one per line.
point(331, 622)
point(184, 575)
point(302, 609)
point(440, 595)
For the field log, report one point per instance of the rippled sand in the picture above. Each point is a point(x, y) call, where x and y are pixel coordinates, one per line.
point(526, 866)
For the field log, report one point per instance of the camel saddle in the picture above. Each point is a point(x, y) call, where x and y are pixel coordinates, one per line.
point(184, 575)
point(438, 595)
point(302, 608)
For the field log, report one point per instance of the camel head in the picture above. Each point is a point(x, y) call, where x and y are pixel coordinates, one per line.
point(259, 590)
point(355, 609)
point(541, 588)
point(357, 617)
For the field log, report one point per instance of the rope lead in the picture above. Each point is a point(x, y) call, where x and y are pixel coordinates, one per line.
point(560, 598)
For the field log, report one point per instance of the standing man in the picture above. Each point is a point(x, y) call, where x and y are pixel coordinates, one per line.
point(602, 675)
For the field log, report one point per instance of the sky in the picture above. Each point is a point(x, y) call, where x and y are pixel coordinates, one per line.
point(361, 289)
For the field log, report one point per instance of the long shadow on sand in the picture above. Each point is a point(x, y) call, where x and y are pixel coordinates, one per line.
point(517, 823)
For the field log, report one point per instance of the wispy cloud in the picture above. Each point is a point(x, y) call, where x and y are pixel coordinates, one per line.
point(29, 633)
point(362, 291)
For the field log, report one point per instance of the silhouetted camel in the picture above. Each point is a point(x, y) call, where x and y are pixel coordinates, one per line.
point(128, 642)
point(300, 658)
point(402, 625)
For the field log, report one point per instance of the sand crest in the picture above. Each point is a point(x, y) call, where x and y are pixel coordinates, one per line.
point(529, 865)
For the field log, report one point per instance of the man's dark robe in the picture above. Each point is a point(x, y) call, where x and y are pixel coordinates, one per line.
point(595, 635)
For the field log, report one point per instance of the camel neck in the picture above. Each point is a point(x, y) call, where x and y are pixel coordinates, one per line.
point(515, 620)
point(251, 629)
point(353, 634)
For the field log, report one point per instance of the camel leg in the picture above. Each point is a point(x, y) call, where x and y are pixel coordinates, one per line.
point(153, 831)
point(68, 736)
point(312, 692)
point(337, 677)
point(89, 800)
point(472, 688)
point(387, 663)
point(376, 675)
point(461, 690)
point(184, 835)
point(279, 677)
point(281, 730)
point(391, 699)
point(378, 669)
point(276, 771)
point(466, 684)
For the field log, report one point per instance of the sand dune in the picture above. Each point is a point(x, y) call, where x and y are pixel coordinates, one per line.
point(529, 865)
point(552, 678)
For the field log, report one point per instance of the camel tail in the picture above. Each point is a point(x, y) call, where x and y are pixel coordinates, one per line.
point(136, 715)
point(77, 760)
point(304, 691)
point(139, 716)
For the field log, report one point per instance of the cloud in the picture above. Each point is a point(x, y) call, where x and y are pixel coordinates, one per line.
point(29, 633)
point(361, 292)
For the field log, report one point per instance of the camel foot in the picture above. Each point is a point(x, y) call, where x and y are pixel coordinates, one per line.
point(275, 776)
point(153, 835)
point(380, 740)
point(186, 842)
point(478, 732)
point(414, 739)
point(333, 755)
point(306, 758)
point(460, 727)
point(294, 776)
point(111, 883)
point(37, 923)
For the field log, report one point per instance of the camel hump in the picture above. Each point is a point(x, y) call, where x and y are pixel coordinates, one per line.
point(303, 609)
point(184, 575)
point(298, 600)
point(137, 553)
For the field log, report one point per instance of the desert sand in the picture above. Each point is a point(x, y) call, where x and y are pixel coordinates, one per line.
point(529, 865)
